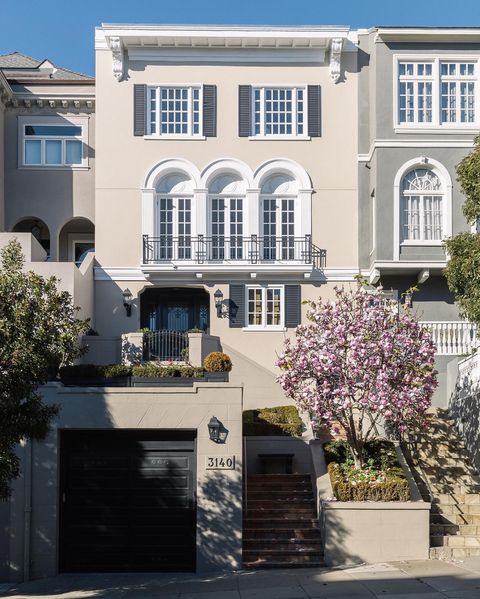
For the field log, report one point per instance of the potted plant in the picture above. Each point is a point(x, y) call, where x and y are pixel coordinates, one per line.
point(217, 366)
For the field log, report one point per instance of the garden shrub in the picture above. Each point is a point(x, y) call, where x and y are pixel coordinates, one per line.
point(280, 420)
point(95, 371)
point(153, 370)
point(381, 479)
point(217, 361)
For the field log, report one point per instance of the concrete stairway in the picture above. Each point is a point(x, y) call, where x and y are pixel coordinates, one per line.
point(280, 526)
point(451, 483)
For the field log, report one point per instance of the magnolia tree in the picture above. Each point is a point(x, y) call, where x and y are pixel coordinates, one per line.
point(359, 364)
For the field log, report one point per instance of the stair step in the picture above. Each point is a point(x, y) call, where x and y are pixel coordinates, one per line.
point(455, 509)
point(454, 541)
point(453, 552)
point(279, 523)
point(297, 545)
point(266, 504)
point(457, 499)
point(279, 534)
point(303, 563)
point(279, 493)
point(273, 514)
point(266, 478)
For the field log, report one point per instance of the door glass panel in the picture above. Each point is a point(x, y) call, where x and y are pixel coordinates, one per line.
point(218, 228)
point(236, 228)
point(164, 245)
point(288, 229)
point(177, 318)
point(269, 228)
point(184, 229)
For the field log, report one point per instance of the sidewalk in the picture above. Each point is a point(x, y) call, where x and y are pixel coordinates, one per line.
point(400, 580)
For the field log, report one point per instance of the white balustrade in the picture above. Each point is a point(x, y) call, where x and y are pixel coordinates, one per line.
point(453, 338)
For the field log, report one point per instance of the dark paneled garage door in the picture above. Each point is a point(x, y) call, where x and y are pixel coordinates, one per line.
point(127, 501)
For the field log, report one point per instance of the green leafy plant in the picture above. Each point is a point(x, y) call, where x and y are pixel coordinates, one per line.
point(217, 361)
point(153, 370)
point(39, 332)
point(277, 421)
point(95, 371)
point(463, 268)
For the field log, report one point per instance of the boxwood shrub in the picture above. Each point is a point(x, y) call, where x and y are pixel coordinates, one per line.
point(380, 456)
point(95, 371)
point(153, 370)
point(281, 421)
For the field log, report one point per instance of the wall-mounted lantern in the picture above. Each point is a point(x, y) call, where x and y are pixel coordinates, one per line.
point(127, 301)
point(216, 431)
point(218, 295)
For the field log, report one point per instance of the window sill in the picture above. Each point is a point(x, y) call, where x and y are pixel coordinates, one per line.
point(279, 138)
point(178, 137)
point(263, 329)
point(46, 167)
point(437, 129)
point(419, 243)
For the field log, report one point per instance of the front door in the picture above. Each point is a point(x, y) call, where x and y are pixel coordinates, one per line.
point(179, 309)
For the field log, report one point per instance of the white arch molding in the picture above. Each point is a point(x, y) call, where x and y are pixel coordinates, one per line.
point(442, 173)
point(229, 175)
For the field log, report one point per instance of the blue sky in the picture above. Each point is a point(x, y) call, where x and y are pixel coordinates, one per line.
point(63, 31)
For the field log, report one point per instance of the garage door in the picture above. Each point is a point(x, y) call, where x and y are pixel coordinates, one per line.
point(127, 501)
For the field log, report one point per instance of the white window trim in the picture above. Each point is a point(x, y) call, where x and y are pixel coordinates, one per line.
point(76, 121)
point(296, 211)
point(174, 197)
point(436, 124)
point(265, 327)
point(189, 135)
point(437, 167)
point(278, 137)
point(74, 238)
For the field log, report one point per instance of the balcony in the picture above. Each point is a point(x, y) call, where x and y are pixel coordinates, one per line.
point(453, 338)
point(219, 250)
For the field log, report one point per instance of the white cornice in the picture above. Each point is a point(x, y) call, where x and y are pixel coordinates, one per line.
point(428, 34)
point(417, 143)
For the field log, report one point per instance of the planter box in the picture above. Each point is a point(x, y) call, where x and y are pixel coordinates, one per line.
point(370, 531)
point(121, 381)
point(357, 532)
point(166, 381)
point(216, 377)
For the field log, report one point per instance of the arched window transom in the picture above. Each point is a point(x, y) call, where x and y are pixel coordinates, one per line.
point(422, 207)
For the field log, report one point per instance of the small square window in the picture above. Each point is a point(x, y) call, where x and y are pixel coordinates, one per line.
point(178, 113)
point(278, 112)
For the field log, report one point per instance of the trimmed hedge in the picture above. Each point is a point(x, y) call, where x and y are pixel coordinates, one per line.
point(217, 361)
point(279, 421)
point(152, 370)
point(393, 489)
point(95, 371)
point(381, 455)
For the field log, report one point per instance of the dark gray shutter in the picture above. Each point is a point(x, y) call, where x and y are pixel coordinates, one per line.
point(210, 110)
point(244, 110)
point(314, 111)
point(293, 305)
point(139, 109)
point(237, 306)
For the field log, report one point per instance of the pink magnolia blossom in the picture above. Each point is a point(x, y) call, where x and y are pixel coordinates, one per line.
point(360, 363)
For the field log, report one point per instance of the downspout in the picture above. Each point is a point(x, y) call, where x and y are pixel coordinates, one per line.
point(27, 510)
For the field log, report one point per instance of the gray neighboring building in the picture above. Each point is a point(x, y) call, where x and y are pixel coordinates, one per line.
point(418, 114)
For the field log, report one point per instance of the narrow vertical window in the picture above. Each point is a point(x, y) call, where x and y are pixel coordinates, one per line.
point(415, 103)
point(422, 207)
point(457, 86)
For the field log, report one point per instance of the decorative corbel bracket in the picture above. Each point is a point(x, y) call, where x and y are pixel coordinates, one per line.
point(335, 59)
point(116, 47)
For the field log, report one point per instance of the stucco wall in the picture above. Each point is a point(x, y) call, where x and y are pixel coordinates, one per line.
point(219, 493)
point(52, 195)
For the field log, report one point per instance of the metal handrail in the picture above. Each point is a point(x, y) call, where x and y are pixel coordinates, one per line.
point(253, 249)
point(165, 346)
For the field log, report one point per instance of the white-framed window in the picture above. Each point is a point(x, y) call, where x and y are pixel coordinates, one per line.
point(436, 92)
point(52, 142)
point(422, 206)
point(174, 111)
point(278, 227)
point(265, 307)
point(279, 112)
point(173, 228)
point(227, 227)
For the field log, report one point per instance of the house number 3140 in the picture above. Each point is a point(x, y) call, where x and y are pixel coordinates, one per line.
point(220, 463)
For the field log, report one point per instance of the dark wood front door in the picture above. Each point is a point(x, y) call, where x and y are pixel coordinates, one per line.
point(178, 309)
point(127, 501)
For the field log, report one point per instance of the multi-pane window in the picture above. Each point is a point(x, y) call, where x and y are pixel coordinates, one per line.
point(227, 228)
point(264, 307)
point(437, 92)
point(174, 111)
point(278, 228)
point(422, 207)
point(52, 145)
point(457, 85)
point(173, 228)
point(415, 92)
point(279, 111)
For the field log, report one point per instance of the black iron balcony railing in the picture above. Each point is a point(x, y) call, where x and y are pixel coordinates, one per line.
point(250, 250)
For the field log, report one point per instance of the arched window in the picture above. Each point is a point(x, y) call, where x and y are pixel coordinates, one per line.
point(226, 217)
point(173, 218)
point(422, 207)
point(278, 206)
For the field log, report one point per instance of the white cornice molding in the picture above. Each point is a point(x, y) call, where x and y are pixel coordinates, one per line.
point(428, 34)
point(417, 143)
point(335, 59)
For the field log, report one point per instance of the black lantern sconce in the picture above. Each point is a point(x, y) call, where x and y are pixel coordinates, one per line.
point(127, 301)
point(218, 295)
point(216, 431)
